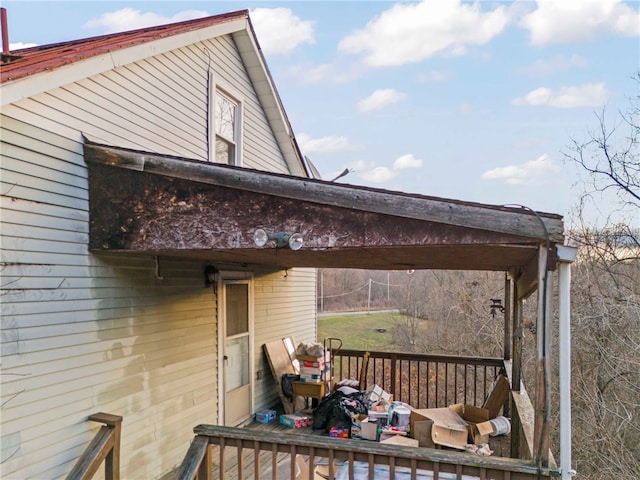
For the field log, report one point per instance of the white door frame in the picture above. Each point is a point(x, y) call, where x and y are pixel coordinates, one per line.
point(244, 277)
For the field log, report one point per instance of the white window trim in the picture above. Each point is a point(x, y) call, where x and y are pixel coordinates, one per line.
point(215, 87)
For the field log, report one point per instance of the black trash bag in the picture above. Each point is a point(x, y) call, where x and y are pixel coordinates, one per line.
point(342, 411)
point(321, 413)
point(287, 385)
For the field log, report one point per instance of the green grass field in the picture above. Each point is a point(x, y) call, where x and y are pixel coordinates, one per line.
point(357, 331)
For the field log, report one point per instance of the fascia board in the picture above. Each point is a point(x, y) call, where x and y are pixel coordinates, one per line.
point(263, 83)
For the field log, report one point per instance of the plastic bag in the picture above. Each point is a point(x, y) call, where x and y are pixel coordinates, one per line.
point(321, 413)
point(346, 407)
point(287, 385)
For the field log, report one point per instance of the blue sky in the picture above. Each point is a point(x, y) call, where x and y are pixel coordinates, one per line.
point(474, 101)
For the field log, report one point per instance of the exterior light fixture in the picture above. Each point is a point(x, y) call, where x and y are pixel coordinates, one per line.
point(282, 239)
point(210, 276)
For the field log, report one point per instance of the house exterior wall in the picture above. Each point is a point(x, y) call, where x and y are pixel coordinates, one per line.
point(83, 333)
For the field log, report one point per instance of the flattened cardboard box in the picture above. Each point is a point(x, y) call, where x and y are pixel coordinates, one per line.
point(454, 426)
point(478, 421)
point(448, 428)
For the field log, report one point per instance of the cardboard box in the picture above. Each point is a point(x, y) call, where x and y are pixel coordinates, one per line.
point(266, 416)
point(302, 470)
point(477, 420)
point(401, 440)
point(454, 426)
point(421, 431)
point(363, 427)
point(309, 358)
point(296, 420)
point(448, 428)
point(336, 432)
point(376, 394)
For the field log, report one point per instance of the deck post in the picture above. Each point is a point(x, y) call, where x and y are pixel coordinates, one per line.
point(543, 403)
point(566, 256)
point(508, 311)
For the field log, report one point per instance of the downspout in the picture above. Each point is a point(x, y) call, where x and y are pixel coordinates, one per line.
point(566, 256)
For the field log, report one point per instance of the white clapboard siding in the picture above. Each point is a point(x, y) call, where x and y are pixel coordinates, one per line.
point(286, 307)
point(122, 334)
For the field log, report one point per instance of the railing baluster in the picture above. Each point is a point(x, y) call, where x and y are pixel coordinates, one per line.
point(256, 460)
point(274, 461)
point(292, 461)
point(332, 473)
point(312, 463)
point(351, 460)
point(371, 462)
point(222, 465)
point(240, 462)
point(446, 389)
point(394, 378)
point(437, 382)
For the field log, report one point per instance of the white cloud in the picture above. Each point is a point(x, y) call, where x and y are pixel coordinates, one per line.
point(279, 30)
point(333, 73)
point(21, 45)
point(378, 175)
point(434, 76)
point(406, 161)
point(380, 99)
point(132, 18)
point(330, 143)
point(533, 172)
point(552, 65)
point(409, 33)
point(568, 21)
point(369, 172)
point(587, 95)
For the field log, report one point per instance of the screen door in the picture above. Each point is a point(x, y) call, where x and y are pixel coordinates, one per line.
point(236, 355)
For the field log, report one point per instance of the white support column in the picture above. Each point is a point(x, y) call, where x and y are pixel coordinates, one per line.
point(566, 255)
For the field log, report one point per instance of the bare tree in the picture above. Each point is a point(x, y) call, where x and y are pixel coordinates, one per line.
point(606, 301)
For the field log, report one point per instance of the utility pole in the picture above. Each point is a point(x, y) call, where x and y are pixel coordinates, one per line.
point(322, 291)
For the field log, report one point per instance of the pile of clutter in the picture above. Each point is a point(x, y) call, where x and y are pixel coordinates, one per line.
point(373, 415)
point(313, 362)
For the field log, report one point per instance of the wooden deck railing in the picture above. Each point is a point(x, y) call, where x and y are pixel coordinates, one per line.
point(423, 381)
point(263, 451)
point(105, 446)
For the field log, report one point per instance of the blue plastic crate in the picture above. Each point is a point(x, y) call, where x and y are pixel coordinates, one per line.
point(266, 416)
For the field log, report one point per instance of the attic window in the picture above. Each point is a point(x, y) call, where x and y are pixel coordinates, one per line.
point(227, 127)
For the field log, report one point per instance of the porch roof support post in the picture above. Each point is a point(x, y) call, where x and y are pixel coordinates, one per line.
point(543, 401)
point(508, 314)
point(566, 255)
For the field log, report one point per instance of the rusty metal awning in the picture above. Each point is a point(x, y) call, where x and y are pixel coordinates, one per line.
point(149, 204)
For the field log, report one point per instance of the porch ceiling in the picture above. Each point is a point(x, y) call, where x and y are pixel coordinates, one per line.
point(148, 204)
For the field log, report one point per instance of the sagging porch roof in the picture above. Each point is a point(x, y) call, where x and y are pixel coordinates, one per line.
point(149, 204)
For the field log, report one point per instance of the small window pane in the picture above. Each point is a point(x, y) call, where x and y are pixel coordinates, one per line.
point(225, 118)
point(237, 308)
point(225, 152)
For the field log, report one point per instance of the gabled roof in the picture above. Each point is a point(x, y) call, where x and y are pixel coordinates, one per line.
point(42, 58)
point(42, 68)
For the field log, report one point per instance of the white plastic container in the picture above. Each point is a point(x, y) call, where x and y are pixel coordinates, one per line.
point(501, 426)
